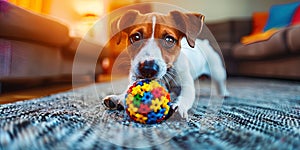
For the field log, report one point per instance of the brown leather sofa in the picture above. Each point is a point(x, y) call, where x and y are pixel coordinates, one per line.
point(37, 47)
point(277, 57)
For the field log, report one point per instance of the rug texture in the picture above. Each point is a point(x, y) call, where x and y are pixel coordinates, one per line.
point(259, 114)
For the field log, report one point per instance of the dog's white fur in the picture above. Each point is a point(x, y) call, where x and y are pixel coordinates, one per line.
point(150, 51)
point(190, 64)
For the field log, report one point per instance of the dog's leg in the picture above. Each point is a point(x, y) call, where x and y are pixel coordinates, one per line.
point(218, 75)
point(187, 95)
point(216, 67)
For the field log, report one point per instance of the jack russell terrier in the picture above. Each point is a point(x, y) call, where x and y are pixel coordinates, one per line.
point(166, 47)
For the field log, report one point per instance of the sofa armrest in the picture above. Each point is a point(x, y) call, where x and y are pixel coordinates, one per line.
point(231, 30)
point(241, 27)
point(19, 24)
point(221, 30)
point(292, 39)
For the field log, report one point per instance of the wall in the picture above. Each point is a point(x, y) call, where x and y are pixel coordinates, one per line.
point(215, 10)
point(63, 9)
point(71, 12)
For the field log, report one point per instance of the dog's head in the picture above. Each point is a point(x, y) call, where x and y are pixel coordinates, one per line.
point(153, 40)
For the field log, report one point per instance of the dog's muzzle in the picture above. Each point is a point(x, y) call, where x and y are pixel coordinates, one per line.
point(148, 69)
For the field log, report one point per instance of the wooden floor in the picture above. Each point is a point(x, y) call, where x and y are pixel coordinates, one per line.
point(34, 92)
point(43, 90)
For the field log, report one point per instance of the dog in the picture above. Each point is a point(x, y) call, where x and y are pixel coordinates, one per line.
point(168, 47)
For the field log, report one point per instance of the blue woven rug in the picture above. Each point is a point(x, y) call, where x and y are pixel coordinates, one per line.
point(260, 114)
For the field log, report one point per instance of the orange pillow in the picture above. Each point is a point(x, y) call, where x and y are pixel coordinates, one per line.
point(259, 36)
point(259, 21)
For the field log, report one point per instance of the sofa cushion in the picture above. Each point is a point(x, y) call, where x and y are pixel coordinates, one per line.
point(281, 15)
point(263, 49)
point(283, 68)
point(17, 23)
point(33, 61)
point(5, 57)
point(221, 30)
point(293, 36)
point(231, 30)
point(258, 37)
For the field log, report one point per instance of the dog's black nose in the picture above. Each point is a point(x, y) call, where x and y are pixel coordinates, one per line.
point(148, 68)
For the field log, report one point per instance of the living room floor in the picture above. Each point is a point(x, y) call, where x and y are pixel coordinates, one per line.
point(42, 90)
point(35, 92)
point(260, 113)
point(53, 88)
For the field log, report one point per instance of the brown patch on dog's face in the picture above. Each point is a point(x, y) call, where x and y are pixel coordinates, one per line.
point(137, 37)
point(168, 40)
point(168, 32)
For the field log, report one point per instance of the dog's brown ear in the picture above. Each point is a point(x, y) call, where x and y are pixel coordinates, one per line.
point(188, 23)
point(115, 30)
point(122, 23)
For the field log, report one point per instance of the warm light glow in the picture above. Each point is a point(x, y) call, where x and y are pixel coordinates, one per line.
point(40, 6)
point(115, 4)
point(89, 11)
point(85, 25)
point(105, 63)
point(84, 7)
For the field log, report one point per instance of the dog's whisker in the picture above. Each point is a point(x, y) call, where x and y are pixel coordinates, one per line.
point(171, 79)
point(173, 73)
point(168, 81)
point(174, 81)
point(165, 79)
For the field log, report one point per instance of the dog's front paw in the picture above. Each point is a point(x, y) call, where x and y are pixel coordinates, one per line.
point(113, 102)
point(225, 94)
point(181, 109)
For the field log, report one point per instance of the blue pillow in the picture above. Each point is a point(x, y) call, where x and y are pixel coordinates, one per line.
point(281, 15)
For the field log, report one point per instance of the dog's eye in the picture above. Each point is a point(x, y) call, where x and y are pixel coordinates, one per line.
point(135, 37)
point(169, 41)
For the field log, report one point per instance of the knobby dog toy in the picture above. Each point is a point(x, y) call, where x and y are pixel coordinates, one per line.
point(148, 102)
